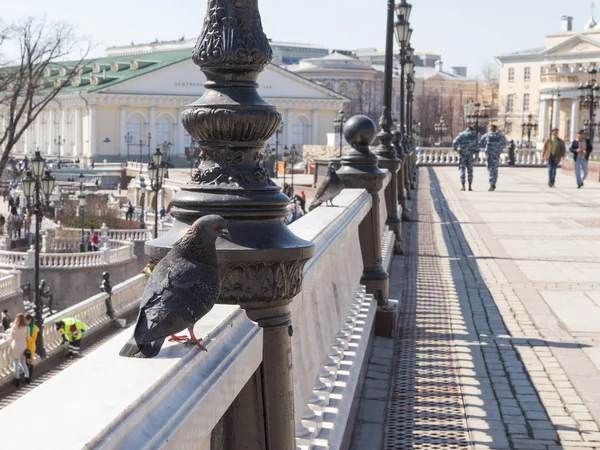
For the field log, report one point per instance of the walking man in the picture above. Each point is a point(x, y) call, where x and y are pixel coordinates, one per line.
point(581, 149)
point(554, 152)
point(466, 144)
point(493, 142)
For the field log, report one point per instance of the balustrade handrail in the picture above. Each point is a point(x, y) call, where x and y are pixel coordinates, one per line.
point(448, 156)
point(91, 311)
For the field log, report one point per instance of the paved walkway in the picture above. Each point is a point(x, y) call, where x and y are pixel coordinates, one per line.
point(499, 339)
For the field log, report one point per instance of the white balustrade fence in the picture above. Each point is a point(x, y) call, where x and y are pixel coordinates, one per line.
point(92, 311)
point(448, 156)
point(10, 284)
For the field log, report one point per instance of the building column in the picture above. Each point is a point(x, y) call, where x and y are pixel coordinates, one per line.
point(77, 150)
point(123, 131)
point(315, 127)
point(556, 114)
point(543, 121)
point(179, 143)
point(63, 131)
point(50, 131)
point(574, 118)
point(38, 132)
point(92, 135)
point(287, 138)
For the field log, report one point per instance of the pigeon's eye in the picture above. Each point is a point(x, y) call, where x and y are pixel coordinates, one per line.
point(214, 225)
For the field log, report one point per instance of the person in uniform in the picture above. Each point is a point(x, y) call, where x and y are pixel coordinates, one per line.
point(466, 144)
point(72, 331)
point(494, 143)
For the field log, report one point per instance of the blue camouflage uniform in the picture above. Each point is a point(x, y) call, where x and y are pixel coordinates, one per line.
point(468, 145)
point(493, 142)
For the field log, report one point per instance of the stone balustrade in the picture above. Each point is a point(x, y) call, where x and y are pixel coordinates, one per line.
point(447, 156)
point(125, 297)
point(10, 284)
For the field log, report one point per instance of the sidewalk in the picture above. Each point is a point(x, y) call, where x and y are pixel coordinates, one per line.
point(499, 338)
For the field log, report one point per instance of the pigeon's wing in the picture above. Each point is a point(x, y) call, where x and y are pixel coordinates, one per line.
point(323, 188)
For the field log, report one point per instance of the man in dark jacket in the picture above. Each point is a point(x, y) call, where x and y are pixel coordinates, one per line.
point(581, 149)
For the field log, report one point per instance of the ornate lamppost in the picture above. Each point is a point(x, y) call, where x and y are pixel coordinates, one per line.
point(441, 128)
point(59, 141)
point(36, 184)
point(409, 68)
point(338, 126)
point(477, 117)
point(528, 127)
point(588, 99)
point(128, 141)
point(142, 202)
point(82, 200)
point(403, 35)
point(156, 172)
point(293, 157)
point(166, 146)
point(148, 143)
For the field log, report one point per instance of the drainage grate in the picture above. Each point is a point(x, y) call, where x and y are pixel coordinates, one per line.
point(426, 410)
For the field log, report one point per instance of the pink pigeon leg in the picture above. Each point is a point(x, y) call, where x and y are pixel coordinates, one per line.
point(175, 338)
point(194, 340)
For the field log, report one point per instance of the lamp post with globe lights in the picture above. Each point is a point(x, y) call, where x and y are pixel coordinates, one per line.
point(156, 172)
point(338, 125)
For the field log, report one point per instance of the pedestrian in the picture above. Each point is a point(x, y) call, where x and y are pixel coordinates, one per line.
point(554, 152)
point(72, 331)
point(6, 320)
point(467, 145)
point(18, 345)
point(129, 214)
point(31, 340)
point(582, 149)
point(95, 242)
point(11, 202)
point(163, 213)
point(302, 200)
point(494, 143)
point(148, 269)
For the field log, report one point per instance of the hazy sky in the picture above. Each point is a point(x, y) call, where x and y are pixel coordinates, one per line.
point(465, 32)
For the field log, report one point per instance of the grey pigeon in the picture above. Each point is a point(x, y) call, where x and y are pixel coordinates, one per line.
point(182, 289)
point(330, 188)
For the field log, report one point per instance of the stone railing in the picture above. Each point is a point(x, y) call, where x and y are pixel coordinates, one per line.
point(137, 166)
point(11, 260)
point(125, 297)
point(10, 284)
point(447, 156)
point(130, 235)
point(64, 244)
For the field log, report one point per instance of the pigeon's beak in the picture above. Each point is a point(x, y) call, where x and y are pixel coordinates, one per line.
point(225, 234)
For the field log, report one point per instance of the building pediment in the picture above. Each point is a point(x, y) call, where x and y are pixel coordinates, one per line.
point(186, 79)
point(575, 45)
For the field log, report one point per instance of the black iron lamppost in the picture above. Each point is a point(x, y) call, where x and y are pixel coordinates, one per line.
point(285, 158)
point(59, 141)
point(441, 128)
point(81, 181)
point(128, 140)
point(528, 127)
point(293, 156)
point(142, 202)
point(477, 117)
point(82, 199)
point(148, 143)
point(338, 126)
point(156, 172)
point(588, 99)
point(403, 35)
point(409, 67)
point(166, 146)
point(267, 159)
point(34, 186)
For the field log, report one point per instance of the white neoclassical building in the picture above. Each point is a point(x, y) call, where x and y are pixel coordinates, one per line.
point(131, 101)
point(544, 82)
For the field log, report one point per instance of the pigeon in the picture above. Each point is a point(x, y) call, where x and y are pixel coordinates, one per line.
point(330, 188)
point(182, 289)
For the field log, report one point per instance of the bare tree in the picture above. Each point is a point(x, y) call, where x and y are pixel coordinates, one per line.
point(491, 84)
point(31, 80)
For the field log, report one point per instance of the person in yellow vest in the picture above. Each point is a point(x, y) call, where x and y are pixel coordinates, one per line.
point(72, 332)
point(148, 269)
point(31, 339)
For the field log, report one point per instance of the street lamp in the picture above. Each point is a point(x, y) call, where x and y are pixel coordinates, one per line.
point(81, 180)
point(142, 201)
point(403, 35)
point(149, 142)
point(477, 115)
point(58, 141)
point(34, 186)
point(166, 146)
point(293, 156)
point(156, 172)
point(588, 98)
point(338, 125)
point(528, 127)
point(82, 199)
point(128, 141)
point(277, 133)
point(441, 128)
point(286, 156)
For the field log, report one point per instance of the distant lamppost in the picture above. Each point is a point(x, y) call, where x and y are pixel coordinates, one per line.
point(293, 156)
point(277, 133)
point(142, 201)
point(82, 199)
point(286, 157)
point(141, 144)
point(148, 142)
point(128, 141)
point(588, 99)
point(409, 68)
point(81, 180)
point(441, 128)
point(528, 127)
point(403, 35)
point(166, 146)
point(59, 141)
point(338, 125)
point(157, 172)
point(477, 117)
point(34, 186)
point(267, 159)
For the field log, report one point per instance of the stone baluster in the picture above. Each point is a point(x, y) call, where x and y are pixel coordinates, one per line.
point(360, 171)
point(262, 268)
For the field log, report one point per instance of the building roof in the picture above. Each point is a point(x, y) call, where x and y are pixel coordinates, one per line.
point(532, 51)
point(430, 72)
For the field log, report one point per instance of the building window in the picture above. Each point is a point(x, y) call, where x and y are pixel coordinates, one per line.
point(163, 129)
point(300, 131)
point(527, 74)
point(134, 126)
point(508, 128)
point(510, 102)
point(525, 102)
point(511, 74)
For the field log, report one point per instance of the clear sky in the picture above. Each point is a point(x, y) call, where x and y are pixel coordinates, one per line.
point(466, 32)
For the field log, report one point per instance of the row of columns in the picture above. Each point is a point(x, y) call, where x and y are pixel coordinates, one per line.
point(552, 107)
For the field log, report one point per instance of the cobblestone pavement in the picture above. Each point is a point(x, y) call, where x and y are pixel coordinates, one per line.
point(499, 338)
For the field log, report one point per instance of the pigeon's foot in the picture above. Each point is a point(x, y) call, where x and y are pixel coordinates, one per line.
point(175, 338)
point(194, 340)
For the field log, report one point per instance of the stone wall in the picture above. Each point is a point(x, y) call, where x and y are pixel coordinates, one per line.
point(312, 152)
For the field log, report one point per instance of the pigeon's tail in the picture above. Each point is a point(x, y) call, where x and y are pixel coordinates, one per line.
point(315, 204)
point(133, 349)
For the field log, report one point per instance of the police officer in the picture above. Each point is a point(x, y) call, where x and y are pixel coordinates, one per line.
point(493, 142)
point(467, 145)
